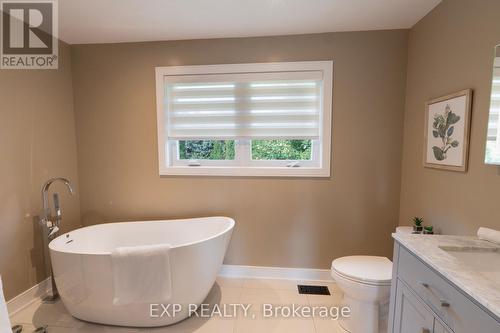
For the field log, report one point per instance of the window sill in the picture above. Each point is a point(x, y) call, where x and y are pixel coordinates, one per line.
point(244, 171)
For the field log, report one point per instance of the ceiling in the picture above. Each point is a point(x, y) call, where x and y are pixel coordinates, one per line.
point(110, 21)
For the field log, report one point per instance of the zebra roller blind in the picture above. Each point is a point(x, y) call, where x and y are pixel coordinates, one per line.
point(268, 105)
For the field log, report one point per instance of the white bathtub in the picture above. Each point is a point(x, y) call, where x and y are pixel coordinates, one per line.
point(83, 272)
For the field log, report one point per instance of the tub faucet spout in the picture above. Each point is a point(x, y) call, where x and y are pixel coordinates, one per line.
point(46, 217)
point(50, 226)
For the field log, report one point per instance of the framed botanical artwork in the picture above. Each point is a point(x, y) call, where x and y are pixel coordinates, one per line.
point(446, 137)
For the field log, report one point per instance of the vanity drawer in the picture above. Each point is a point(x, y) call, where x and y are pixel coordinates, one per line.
point(454, 308)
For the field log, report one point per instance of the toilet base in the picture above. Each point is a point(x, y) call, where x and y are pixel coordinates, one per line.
point(365, 317)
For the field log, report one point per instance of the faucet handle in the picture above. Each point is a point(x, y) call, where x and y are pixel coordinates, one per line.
point(53, 231)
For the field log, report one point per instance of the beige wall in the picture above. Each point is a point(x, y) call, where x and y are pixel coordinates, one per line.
point(451, 49)
point(294, 222)
point(37, 141)
point(280, 222)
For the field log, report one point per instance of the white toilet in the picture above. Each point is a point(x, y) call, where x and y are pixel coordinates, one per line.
point(366, 284)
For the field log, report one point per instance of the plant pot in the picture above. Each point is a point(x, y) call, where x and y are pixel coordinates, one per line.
point(417, 229)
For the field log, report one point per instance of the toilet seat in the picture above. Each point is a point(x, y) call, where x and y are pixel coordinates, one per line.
point(369, 270)
point(361, 282)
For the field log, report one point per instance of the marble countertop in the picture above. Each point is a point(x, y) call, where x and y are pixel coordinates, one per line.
point(483, 287)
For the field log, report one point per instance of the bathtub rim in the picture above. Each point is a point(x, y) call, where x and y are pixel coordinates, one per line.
point(229, 228)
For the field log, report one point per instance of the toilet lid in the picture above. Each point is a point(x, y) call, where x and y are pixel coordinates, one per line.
point(364, 268)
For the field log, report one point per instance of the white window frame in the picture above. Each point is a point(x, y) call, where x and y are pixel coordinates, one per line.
point(169, 165)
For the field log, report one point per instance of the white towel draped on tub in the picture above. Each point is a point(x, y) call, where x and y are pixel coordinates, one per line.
point(4, 314)
point(141, 274)
point(488, 234)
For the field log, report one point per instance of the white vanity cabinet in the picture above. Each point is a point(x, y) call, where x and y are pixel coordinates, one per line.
point(412, 315)
point(422, 301)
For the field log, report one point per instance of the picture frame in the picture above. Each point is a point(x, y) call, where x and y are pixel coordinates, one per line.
point(447, 131)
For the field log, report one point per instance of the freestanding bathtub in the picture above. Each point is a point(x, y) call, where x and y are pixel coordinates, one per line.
point(81, 261)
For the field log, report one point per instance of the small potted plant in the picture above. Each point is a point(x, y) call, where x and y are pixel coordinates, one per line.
point(429, 230)
point(417, 225)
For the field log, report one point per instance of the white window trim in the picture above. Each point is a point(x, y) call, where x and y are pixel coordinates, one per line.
point(213, 168)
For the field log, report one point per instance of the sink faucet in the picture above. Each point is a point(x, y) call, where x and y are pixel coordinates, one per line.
point(50, 226)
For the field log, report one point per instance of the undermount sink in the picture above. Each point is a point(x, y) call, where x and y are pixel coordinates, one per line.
point(482, 260)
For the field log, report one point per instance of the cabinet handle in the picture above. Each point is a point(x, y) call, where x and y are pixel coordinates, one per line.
point(425, 285)
point(444, 303)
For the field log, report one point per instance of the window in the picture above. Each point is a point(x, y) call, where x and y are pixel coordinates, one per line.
point(269, 119)
point(493, 137)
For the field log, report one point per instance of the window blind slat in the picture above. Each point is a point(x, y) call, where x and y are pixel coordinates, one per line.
point(244, 106)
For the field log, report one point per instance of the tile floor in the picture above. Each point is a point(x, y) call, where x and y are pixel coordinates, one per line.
point(225, 291)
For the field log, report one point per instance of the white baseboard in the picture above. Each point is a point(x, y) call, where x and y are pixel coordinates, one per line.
point(35, 293)
point(260, 272)
point(42, 289)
